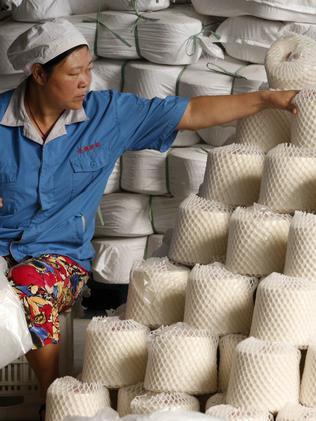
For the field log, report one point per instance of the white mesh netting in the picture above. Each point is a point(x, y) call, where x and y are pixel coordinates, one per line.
point(156, 293)
point(239, 414)
point(201, 231)
point(300, 257)
point(296, 413)
point(219, 300)
point(264, 375)
point(151, 402)
point(233, 174)
point(126, 395)
point(308, 385)
point(227, 346)
point(115, 352)
point(289, 179)
point(257, 241)
point(217, 399)
point(285, 310)
point(265, 129)
point(304, 124)
point(68, 396)
point(290, 63)
point(182, 358)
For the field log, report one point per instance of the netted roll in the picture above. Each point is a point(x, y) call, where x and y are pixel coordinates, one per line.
point(285, 310)
point(265, 129)
point(69, 396)
point(296, 413)
point(227, 346)
point(308, 386)
point(150, 402)
point(290, 63)
point(264, 375)
point(219, 300)
point(304, 124)
point(300, 257)
point(233, 174)
point(239, 414)
point(201, 231)
point(182, 358)
point(126, 395)
point(257, 241)
point(115, 352)
point(217, 399)
point(156, 293)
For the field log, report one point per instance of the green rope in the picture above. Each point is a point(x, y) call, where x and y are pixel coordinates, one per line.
point(123, 75)
point(151, 213)
point(195, 41)
point(179, 80)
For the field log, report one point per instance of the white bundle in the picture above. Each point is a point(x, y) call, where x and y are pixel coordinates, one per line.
point(140, 5)
point(301, 246)
point(285, 310)
point(219, 300)
point(144, 172)
point(186, 138)
point(186, 168)
point(257, 241)
point(107, 74)
point(214, 400)
point(201, 232)
point(264, 375)
point(233, 174)
point(86, 24)
point(265, 129)
point(83, 6)
point(303, 125)
point(115, 258)
point(156, 293)
point(124, 215)
point(232, 413)
point(182, 358)
point(164, 210)
point(39, 10)
point(113, 184)
point(126, 395)
point(289, 179)
point(68, 396)
point(115, 352)
point(168, 401)
point(296, 413)
point(227, 346)
point(290, 63)
point(308, 385)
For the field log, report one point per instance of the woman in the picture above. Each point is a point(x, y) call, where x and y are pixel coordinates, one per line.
point(59, 144)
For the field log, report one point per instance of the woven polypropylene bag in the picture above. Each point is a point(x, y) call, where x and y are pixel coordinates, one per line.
point(233, 174)
point(296, 413)
point(219, 300)
point(214, 400)
point(257, 241)
point(300, 257)
point(289, 179)
point(285, 310)
point(308, 386)
point(68, 396)
point(290, 63)
point(265, 129)
point(126, 395)
point(182, 358)
point(227, 346)
point(150, 402)
point(115, 352)
point(264, 375)
point(304, 124)
point(201, 231)
point(156, 293)
point(239, 414)
point(140, 5)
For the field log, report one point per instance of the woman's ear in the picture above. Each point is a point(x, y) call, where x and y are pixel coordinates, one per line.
point(39, 74)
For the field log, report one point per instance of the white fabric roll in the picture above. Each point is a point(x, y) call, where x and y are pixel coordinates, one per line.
point(141, 5)
point(265, 129)
point(227, 346)
point(308, 385)
point(39, 10)
point(107, 74)
point(115, 258)
point(264, 375)
point(156, 293)
point(182, 358)
point(113, 184)
point(83, 6)
point(87, 26)
point(201, 232)
point(144, 172)
point(126, 395)
point(290, 63)
point(68, 396)
point(285, 310)
point(151, 402)
point(217, 399)
point(239, 414)
point(8, 82)
point(186, 138)
point(124, 215)
point(289, 179)
point(303, 127)
point(257, 241)
point(115, 352)
point(164, 212)
point(296, 413)
point(219, 300)
point(233, 174)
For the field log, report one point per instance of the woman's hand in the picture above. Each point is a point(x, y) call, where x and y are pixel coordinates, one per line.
point(280, 99)
point(1, 202)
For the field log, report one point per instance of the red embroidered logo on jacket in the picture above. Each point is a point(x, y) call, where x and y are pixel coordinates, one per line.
point(89, 147)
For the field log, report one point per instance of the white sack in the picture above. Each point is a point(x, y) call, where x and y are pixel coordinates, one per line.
point(141, 5)
point(107, 74)
point(83, 6)
point(87, 26)
point(39, 10)
point(113, 184)
point(164, 211)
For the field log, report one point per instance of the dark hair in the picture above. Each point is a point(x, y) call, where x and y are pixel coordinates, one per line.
point(49, 66)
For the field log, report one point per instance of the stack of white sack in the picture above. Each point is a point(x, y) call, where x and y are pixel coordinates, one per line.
point(107, 74)
point(38, 10)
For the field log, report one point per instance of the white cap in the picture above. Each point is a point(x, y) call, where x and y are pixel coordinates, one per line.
point(43, 42)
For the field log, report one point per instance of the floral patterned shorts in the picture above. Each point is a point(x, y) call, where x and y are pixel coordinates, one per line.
point(47, 286)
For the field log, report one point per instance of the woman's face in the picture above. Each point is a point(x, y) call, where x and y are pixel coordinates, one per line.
point(69, 82)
